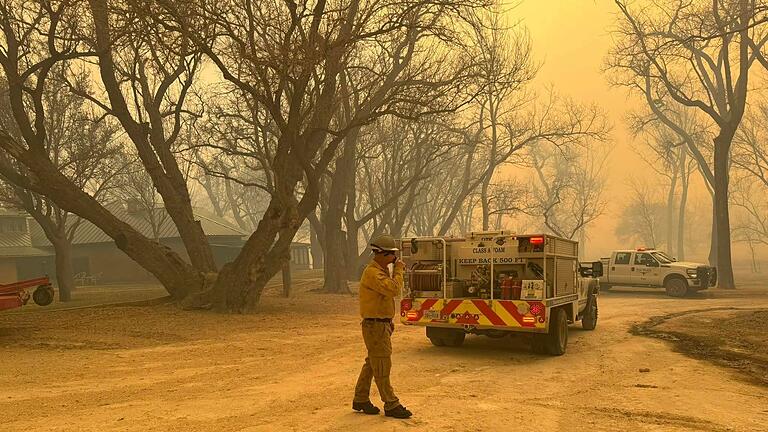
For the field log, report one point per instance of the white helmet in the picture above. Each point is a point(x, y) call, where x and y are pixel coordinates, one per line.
point(384, 243)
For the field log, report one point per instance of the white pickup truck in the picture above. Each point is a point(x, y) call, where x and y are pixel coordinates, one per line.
point(652, 268)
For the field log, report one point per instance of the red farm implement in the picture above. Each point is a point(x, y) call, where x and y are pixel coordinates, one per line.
point(18, 294)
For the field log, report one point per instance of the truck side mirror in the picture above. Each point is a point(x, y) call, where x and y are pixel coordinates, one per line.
point(597, 269)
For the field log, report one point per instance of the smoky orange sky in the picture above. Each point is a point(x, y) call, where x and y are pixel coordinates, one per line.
point(571, 38)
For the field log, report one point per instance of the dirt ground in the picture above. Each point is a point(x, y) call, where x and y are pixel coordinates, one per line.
point(292, 367)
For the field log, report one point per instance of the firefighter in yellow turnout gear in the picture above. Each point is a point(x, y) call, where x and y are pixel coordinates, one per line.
point(377, 307)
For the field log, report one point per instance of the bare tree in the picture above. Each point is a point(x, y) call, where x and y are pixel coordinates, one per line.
point(643, 217)
point(567, 190)
point(750, 153)
point(437, 195)
point(670, 158)
point(510, 198)
point(142, 201)
point(554, 120)
point(82, 147)
point(750, 158)
point(506, 67)
point(394, 159)
point(36, 37)
point(291, 62)
point(749, 198)
point(233, 149)
point(137, 56)
point(697, 54)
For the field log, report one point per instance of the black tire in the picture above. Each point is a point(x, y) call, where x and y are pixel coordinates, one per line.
point(43, 295)
point(436, 341)
point(455, 340)
point(589, 319)
point(556, 339)
point(676, 287)
point(445, 337)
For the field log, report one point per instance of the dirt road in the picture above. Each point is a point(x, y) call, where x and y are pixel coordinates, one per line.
point(293, 367)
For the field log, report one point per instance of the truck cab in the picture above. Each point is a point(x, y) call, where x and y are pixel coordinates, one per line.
point(653, 268)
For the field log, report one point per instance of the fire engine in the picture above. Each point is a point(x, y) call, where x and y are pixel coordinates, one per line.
point(497, 284)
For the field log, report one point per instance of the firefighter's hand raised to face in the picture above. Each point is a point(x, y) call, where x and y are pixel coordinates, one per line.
point(399, 264)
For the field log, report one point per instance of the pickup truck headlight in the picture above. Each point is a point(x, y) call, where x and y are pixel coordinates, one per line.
point(691, 273)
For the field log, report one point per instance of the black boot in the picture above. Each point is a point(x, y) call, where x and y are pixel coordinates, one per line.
point(366, 407)
point(399, 412)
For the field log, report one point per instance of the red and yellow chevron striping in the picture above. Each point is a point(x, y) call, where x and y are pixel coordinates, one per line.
point(476, 312)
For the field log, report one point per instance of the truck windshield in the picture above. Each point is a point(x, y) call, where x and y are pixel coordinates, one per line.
point(662, 257)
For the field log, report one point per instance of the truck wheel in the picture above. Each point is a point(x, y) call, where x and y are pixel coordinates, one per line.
point(436, 341)
point(589, 320)
point(676, 287)
point(555, 340)
point(43, 295)
point(455, 340)
point(445, 337)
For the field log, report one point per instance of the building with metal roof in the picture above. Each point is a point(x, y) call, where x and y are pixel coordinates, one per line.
point(25, 252)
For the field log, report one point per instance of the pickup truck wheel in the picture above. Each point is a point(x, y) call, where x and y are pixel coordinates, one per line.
point(589, 320)
point(676, 287)
point(556, 339)
point(43, 295)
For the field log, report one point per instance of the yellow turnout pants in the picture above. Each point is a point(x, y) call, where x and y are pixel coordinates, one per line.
point(378, 364)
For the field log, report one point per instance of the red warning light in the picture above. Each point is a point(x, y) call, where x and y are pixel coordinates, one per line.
point(536, 309)
point(536, 240)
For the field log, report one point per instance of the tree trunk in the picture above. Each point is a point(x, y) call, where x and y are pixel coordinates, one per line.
point(486, 205)
point(65, 277)
point(234, 207)
point(336, 270)
point(352, 253)
point(670, 213)
point(287, 279)
point(315, 246)
point(457, 204)
point(485, 202)
point(213, 198)
point(754, 266)
point(240, 283)
point(723, 234)
point(681, 209)
point(335, 239)
point(713, 237)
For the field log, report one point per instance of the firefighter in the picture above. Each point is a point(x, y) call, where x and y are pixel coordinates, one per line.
point(377, 307)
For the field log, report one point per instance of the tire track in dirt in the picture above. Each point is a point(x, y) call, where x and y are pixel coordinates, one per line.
point(750, 367)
